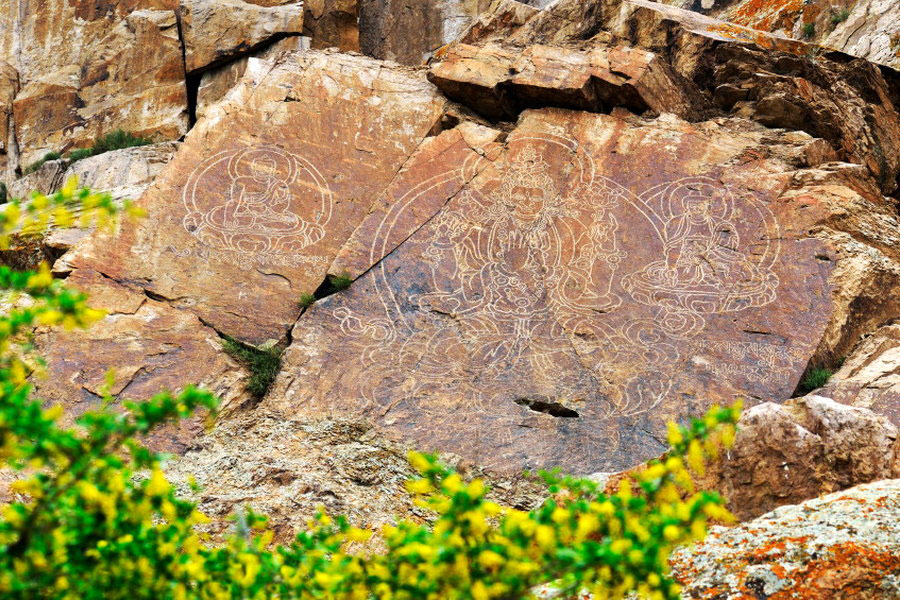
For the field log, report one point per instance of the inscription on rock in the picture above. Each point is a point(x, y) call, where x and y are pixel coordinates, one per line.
point(273, 205)
point(547, 283)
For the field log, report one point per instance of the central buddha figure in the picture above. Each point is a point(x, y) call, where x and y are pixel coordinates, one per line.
point(260, 200)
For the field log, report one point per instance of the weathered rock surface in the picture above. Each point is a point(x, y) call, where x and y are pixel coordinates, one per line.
point(332, 24)
point(845, 545)
point(870, 375)
point(287, 468)
point(85, 68)
point(150, 345)
point(215, 31)
point(726, 68)
point(582, 282)
point(260, 210)
point(499, 83)
point(395, 30)
point(866, 28)
point(217, 82)
point(785, 454)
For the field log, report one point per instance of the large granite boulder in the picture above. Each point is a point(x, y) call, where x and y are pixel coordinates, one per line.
point(785, 454)
point(842, 546)
point(870, 376)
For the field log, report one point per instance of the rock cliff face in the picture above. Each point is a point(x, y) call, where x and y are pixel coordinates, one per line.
point(866, 28)
point(579, 220)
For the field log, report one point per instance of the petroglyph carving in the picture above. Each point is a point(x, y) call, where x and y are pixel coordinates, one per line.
point(529, 271)
point(259, 204)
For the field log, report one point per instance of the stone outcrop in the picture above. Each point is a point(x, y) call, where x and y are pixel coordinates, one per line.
point(215, 31)
point(726, 68)
point(122, 173)
point(866, 28)
point(85, 68)
point(499, 83)
point(844, 545)
point(870, 376)
point(785, 454)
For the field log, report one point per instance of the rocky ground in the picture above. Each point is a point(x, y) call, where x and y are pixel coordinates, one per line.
point(525, 234)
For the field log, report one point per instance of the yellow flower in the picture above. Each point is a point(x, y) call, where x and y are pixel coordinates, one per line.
point(545, 536)
point(158, 484)
point(671, 533)
point(479, 591)
point(490, 559)
point(419, 486)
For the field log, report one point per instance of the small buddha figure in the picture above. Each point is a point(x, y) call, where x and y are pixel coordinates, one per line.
point(701, 250)
point(261, 200)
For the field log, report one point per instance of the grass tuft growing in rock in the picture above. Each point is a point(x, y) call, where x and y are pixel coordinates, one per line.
point(40, 163)
point(263, 363)
point(306, 300)
point(813, 379)
point(115, 140)
point(809, 30)
point(840, 16)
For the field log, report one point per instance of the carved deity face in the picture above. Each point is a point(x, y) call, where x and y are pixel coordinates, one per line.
point(263, 169)
point(527, 202)
point(697, 208)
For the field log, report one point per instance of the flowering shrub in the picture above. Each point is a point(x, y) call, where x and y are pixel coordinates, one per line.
point(96, 518)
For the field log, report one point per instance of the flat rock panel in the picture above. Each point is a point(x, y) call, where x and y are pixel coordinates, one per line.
point(265, 190)
point(556, 298)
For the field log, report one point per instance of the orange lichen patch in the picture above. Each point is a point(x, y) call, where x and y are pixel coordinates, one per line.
point(846, 570)
point(761, 39)
point(768, 14)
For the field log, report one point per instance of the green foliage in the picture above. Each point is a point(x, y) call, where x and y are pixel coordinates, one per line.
point(840, 16)
point(80, 154)
point(263, 363)
point(306, 300)
point(813, 379)
point(809, 30)
point(95, 517)
point(339, 282)
point(40, 163)
point(115, 140)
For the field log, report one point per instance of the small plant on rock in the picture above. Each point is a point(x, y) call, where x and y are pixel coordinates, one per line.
point(813, 379)
point(263, 363)
point(340, 282)
point(840, 16)
point(809, 31)
point(115, 140)
point(40, 163)
point(306, 300)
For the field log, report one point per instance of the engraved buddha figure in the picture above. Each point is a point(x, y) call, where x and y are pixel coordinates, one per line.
point(701, 249)
point(260, 200)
